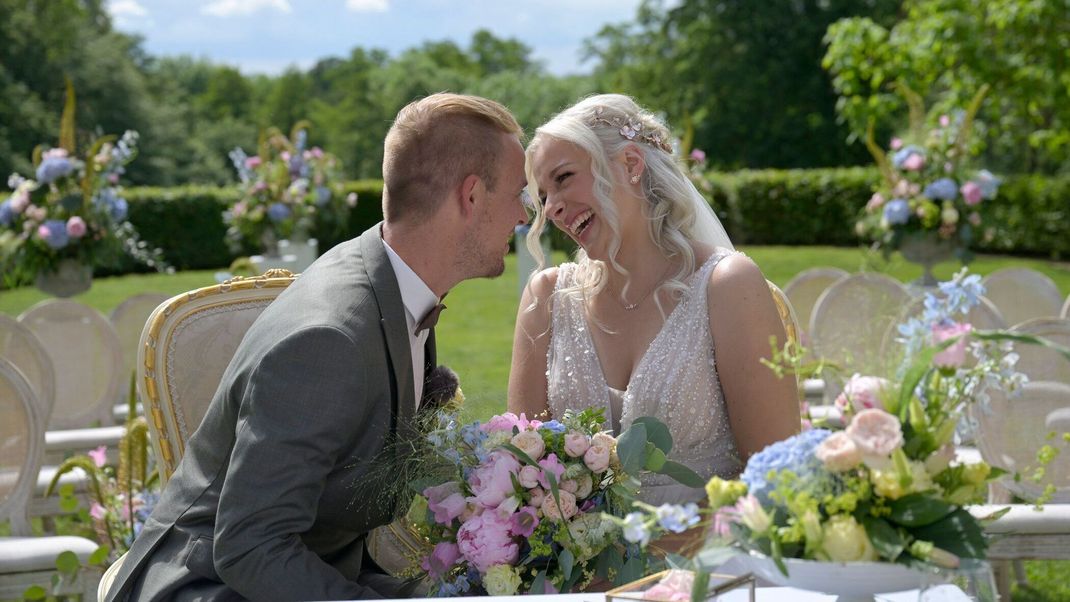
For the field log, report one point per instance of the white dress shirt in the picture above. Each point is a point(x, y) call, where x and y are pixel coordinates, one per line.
point(418, 299)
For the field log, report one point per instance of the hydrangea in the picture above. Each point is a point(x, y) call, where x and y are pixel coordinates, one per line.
point(897, 211)
point(278, 212)
point(944, 189)
point(795, 454)
point(54, 166)
point(554, 427)
point(54, 233)
point(7, 214)
point(900, 157)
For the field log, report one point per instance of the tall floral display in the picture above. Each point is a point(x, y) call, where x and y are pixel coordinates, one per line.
point(288, 191)
point(71, 216)
point(928, 205)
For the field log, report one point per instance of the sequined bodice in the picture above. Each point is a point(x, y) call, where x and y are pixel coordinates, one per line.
point(675, 381)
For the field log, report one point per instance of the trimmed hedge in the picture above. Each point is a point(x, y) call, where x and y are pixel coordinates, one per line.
point(788, 207)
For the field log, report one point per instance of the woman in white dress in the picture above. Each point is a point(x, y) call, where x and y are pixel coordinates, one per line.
point(658, 316)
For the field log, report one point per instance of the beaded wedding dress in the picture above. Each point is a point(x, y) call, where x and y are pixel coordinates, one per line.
point(675, 381)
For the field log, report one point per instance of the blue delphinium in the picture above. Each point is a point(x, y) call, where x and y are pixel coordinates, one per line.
point(944, 189)
point(238, 157)
point(675, 518)
point(795, 454)
point(897, 211)
point(957, 297)
point(111, 203)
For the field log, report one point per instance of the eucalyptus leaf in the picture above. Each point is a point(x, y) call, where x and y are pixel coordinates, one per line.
point(655, 458)
point(631, 447)
point(656, 433)
point(538, 584)
point(566, 561)
point(681, 474)
point(631, 571)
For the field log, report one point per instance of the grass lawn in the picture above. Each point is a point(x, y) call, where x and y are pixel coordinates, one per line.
point(475, 335)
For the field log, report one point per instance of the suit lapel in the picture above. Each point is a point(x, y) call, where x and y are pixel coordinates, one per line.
point(392, 311)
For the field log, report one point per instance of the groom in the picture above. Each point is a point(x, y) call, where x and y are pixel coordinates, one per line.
point(262, 505)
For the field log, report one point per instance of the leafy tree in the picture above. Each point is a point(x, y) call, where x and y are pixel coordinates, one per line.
point(946, 50)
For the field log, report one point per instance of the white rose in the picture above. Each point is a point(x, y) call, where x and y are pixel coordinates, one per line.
point(845, 540)
point(531, 443)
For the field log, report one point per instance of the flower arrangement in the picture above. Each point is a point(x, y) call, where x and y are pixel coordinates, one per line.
point(287, 190)
point(72, 209)
point(888, 486)
point(537, 507)
point(927, 190)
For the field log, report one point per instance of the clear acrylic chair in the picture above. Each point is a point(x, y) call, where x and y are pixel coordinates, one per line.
point(806, 288)
point(129, 320)
point(1022, 294)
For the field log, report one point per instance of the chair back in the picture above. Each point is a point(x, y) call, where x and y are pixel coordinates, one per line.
point(1022, 294)
point(806, 287)
point(22, 437)
point(1065, 313)
point(846, 318)
point(129, 320)
point(22, 348)
point(86, 357)
point(787, 314)
point(186, 346)
point(1041, 363)
point(983, 316)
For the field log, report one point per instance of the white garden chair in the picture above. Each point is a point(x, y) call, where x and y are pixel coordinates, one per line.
point(1065, 313)
point(26, 560)
point(23, 349)
point(129, 320)
point(806, 288)
point(1022, 294)
point(849, 322)
point(86, 356)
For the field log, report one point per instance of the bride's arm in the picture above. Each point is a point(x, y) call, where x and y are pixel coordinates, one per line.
point(531, 340)
point(762, 408)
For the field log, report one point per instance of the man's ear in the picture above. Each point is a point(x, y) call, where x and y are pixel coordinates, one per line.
point(472, 191)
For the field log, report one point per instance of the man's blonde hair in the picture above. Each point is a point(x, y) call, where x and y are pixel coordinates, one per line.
point(436, 142)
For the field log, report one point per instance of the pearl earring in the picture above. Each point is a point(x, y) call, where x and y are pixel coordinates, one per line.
point(635, 179)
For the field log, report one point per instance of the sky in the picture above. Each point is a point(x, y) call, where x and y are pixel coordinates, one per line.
point(267, 36)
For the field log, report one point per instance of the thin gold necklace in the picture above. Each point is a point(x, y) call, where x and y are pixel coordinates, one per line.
point(657, 285)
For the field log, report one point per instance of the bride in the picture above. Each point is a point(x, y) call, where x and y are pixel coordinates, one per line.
point(658, 316)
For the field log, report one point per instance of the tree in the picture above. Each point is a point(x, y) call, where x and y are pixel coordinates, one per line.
point(946, 50)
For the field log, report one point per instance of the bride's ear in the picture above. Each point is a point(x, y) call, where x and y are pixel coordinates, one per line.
point(634, 163)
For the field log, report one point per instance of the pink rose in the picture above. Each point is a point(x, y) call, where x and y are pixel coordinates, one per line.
point(76, 227)
point(838, 452)
point(576, 444)
point(537, 495)
point(955, 355)
point(914, 162)
point(445, 501)
point(528, 477)
point(570, 485)
point(550, 464)
point(862, 393)
point(876, 433)
point(567, 509)
point(875, 202)
point(442, 558)
point(492, 482)
point(597, 458)
point(484, 541)
point(523, 523)
point(531, 443)
point(971, 193)
point(897, 143)
point(584, 485)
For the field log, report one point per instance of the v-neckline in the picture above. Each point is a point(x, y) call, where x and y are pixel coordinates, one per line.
point(642, 359)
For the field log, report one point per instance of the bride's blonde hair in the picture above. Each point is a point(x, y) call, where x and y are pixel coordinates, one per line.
point(603, 126)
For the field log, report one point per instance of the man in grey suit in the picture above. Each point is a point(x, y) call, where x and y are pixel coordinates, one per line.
point(263, 505)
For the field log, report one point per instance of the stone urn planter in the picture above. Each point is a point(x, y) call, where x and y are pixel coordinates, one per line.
point(926, 249)
point(70, 278)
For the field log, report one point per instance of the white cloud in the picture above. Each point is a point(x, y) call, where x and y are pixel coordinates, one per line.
point(368, 6)
point(126, 8)
point(230, 8)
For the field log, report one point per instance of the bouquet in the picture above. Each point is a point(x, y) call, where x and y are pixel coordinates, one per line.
point(887, 487)
point(926, 188)
point(537, 507)
point(73, 209)
point(287, 190)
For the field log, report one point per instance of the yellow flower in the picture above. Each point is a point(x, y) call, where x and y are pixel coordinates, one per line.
point(886, 484)
point(724, 493)
point(501, 580)
point(845, 540)
point(975, 474)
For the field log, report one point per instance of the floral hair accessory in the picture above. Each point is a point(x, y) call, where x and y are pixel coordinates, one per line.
point(630, 128)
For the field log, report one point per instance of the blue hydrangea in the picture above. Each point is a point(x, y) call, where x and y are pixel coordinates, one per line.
point(944, 189)
point(323, 195)
point(554, 427)
point(7, 214)
point(904, 153)
point(53, 168)
point(897, 211)
point(302, 140)
point(298, 167)
point(112, 204)
point(795, 454)
point(55, 233)
point(277, 212)
point(989, 184)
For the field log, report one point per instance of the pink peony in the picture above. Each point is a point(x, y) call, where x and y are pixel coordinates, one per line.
point(552, 464)
point(445, 501)
point(99, 456)
point(506, 422)
point(492, 482)
point(971, 193)
point(576, 444)
point(876, 433)
point(531, 443)
point(914, 162)
point(862, 393)
point(597, 458)
point(76, 227)
point(484, 541)
point(567, 509)
point(838, 452)
point(955, 355)
point(529, 477)
point(523, 523)
point(442, 558)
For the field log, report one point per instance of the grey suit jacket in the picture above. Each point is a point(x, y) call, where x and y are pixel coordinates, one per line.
point(283, 478)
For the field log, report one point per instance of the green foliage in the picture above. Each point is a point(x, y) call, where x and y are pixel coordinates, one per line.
point(946, 50)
